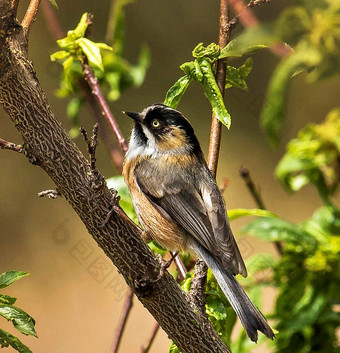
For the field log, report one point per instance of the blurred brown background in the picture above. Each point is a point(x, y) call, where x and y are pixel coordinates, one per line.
point(74, 292)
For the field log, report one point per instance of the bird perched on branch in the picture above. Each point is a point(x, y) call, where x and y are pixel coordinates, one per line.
point(179, 204)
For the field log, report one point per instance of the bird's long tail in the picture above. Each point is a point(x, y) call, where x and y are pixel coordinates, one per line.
point(251, 319)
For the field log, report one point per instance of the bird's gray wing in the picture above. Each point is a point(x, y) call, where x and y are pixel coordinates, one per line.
point(194, 202)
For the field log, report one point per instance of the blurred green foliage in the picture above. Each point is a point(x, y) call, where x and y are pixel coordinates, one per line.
point(23, 322)
point(115, 74)
point(313, 157)
point(312, 29)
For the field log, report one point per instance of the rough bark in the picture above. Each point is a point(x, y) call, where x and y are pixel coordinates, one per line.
point(47, 145)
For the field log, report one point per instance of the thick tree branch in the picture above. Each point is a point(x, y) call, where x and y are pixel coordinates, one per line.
point(48, 145)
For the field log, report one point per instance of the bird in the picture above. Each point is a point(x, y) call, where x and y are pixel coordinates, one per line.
point(179, 204)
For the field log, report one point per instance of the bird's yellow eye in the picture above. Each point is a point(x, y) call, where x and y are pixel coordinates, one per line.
point(155, 123)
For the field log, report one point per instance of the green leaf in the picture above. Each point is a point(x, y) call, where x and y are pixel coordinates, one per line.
point(241, 212)
point(59, 55)
point(81, 28)
point(92, 52)
point(156, 248)
point(173, 348)
point(104, 46)
point(252, 40)
point(67, 44)
point(276, 229)
point(176, 92)
point(213, 93)
point(272, 115)
point(6, 340)
point(328, 217)
point(6, 299)
point(54, 3)
point(73, 108)
point(236, 77)
point(7, 278)
point(138, 71)
point(193, 70)
point(118, 183)
point(20, 320)
point(117, 25)
point(211, 51)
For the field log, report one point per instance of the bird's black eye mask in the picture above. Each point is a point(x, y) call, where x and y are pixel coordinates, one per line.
point(139, 135)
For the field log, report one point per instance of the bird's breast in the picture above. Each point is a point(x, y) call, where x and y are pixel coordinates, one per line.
point(166, 232)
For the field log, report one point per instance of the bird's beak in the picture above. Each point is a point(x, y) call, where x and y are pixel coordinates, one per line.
point(135, 116)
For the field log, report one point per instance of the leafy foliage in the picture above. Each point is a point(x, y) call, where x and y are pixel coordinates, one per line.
point(19, 318)
point(114, 73)
point(313, 157)
point(312, 28)
point(202, 70)
point(307, 274)
point(6, 340)
point(307, 279)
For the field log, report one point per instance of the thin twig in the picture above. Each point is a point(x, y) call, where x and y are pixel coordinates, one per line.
point(122, 322)
point(31, 14)
point(52, 193)
point(199, 281)
point(51, 20)
point(198, 284)
point(233, 22)
point(146, 347)
point(182, 271)
point(91, 144)
point(245, 175)
point(10, 146)
point(99, 97)
point(115, 153)
point(249, 20)
point(216, 126)
point(14, 6)
point(224, 185)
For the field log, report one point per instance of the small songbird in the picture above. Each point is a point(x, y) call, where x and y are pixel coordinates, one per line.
point(178, 202)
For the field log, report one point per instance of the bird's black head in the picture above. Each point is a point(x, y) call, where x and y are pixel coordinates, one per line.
point(162, 128)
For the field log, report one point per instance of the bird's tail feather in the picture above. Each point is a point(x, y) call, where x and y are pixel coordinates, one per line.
point(251, 319)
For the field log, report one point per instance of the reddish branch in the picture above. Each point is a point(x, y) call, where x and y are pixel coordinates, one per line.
point(116, 156)
point(216, 126)
point(10, 146)
point(51, 20)
point(146, 347)
point(122, 322)
point(31, 14)
point(99, 97)
point(249, 20)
